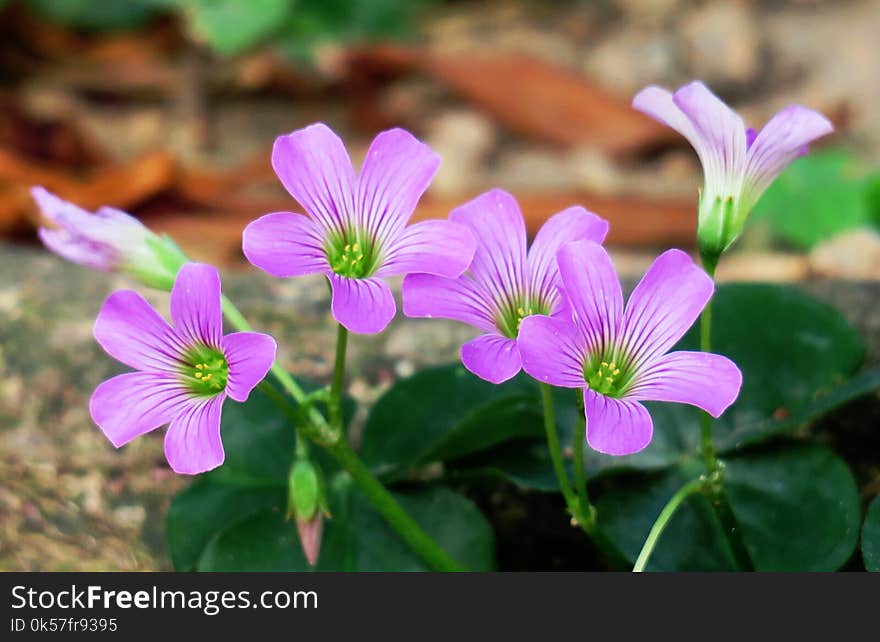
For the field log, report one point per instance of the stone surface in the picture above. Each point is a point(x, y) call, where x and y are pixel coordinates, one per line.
point(70, 501)
point(854, 254)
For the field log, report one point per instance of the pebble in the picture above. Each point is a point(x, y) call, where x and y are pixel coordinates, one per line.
point(852, 255)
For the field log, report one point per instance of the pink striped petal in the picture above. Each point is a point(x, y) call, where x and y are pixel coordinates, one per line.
point(315, 168)
point(397, 170)
point(552, 350)
point(592, 290)
point(131, 331)
point(616, 426)
point(135, 403)
point(249, 355)
point(497, 224)
point(572, 224)
point(192, 442)
point(780, 141)
point(429, 296)
point(492, 357)
point(664, 305)
point(285, 244)
point(195, 305)
point(443, 248)
point(363, 306)
point(708, 381)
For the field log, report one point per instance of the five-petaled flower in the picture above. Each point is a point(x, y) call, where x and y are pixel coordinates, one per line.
point(505, 283)
point(739, 164)
point(108, 240)
point(184, 373)
point(619, 355)
point(356, 230)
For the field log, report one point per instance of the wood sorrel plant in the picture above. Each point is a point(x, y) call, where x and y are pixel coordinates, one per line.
point(283, 471)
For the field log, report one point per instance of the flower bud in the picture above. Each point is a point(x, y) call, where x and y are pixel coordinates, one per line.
point(307, 505)
point(108, 240)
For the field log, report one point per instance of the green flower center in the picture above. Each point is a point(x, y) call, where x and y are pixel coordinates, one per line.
point(353, 254)
point(511, 313)
point(204, 371)
point(609, 375)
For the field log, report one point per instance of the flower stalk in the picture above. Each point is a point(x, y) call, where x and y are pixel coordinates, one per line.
point(693, 486)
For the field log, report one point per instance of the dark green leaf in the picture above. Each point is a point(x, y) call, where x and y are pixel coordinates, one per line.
point(356, 538)
point(871, 537)
point(798, 507)
point(446, 412)
point(85, 14)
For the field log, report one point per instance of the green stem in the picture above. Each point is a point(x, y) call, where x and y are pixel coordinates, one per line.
point(663, 519)
point(708, 448)
point(714, 467)
point(580, 474)
point(315, 428)
point(555, 451)
point(392, 511)
point(335, 402)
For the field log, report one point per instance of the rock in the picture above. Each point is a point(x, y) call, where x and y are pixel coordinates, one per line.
point(763, 266)
point(854, 255)
point(463, 138)
point(722, 42)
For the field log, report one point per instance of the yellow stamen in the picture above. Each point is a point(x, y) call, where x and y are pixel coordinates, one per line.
point(198, 374)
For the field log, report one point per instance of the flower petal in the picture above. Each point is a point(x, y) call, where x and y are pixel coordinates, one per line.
point(430, 247)
point(592, 290)
point(499, 261)
point(572, 224)
point(249, 355)
point(708, 381)
point(195, 305)
point(716, 132)
point(364, 306)
point(78, 249)
point(396, 172)
point(426, 295)
point(721, 138)
point(491, 357)
point(315, 168)
point(552, 350)
point(664, 304)
point(782, 139)
point(192, 442)
point(134, 403)
point(131, 331)
point(285, 244)
point(616, 426)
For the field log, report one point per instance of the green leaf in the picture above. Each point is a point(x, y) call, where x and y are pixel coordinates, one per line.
point(199, 512)
point(871, 537)
point(231, 26)
point(446, 412)
point(85, 14)
point(796, 353)
point(356, 538)
point(798, 506)
point(233, 518)
point(816, 197)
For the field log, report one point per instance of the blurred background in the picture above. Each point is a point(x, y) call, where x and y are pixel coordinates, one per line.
point(168, 109)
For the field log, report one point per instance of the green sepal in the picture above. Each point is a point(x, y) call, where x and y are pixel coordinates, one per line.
point(305, 491)
point(160, 271)
point(718, 225)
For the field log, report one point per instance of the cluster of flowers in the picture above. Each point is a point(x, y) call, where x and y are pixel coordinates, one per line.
point(555, 310)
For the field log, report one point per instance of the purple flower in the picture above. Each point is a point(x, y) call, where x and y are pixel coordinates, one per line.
point(738, 164)
point(619, 355)
point(356, 230)
point(504, 284)
point(184, 373)
point(107, 240)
